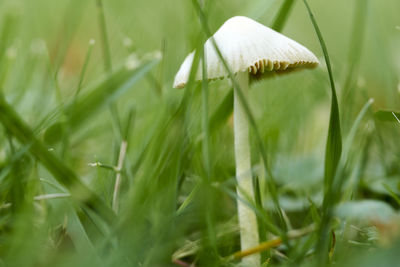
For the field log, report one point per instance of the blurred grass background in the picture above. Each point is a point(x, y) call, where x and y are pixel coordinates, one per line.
point(166, 202)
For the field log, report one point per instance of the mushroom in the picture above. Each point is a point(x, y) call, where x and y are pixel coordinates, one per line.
point(252, 51)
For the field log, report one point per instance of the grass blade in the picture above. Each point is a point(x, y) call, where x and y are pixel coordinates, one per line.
point(205, 120)
point(344, 160)
point(70, 21)
point(352, 133)
point(334, 142)
point(84, 68)
point(107, 91)
point(355, 53)
point(283, 14)
point(332, 153)
point(270, 182)
point(79, 191)
point(355, 179)
point(9, 27)
point(225, 108)
point(78, 234)
point(387, 115)
point(222, 113)
point(393, 194)
point(104, 36)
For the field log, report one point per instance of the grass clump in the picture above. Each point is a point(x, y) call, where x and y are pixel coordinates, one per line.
point(77, 115)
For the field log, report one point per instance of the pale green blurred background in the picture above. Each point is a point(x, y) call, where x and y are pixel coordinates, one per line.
point(43, 47)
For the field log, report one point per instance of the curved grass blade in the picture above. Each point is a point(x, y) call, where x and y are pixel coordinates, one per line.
point(334, 142)
point(354, 57)
point(79, 236)
point(84, 68)
point(283, 14)
point(344, 160)
point(270, 182)
point(225, 108)
point(332, 153)
point(352, 133)
point(107, 91)
point(392, 193)
point(271, 227)
point(64, 175)
point(104, 36)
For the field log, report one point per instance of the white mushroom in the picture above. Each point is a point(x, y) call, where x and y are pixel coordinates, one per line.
point(251, 50)
point(247, 45)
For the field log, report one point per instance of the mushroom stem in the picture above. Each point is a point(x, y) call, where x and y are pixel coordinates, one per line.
point(247, 218)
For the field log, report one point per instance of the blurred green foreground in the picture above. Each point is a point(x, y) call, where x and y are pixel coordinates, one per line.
point(87, 100)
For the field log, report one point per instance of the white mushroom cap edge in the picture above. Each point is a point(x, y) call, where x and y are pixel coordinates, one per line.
point(247, 45)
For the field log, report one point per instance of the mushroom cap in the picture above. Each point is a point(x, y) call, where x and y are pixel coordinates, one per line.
point(247, 45)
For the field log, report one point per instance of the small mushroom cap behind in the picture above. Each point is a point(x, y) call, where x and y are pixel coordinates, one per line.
point(247, 45)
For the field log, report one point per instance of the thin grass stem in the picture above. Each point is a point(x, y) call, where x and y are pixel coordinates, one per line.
point(121, 158)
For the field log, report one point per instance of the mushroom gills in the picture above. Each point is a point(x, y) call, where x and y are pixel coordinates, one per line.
point(263, 65)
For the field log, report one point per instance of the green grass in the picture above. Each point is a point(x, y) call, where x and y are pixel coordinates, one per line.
point(68, 105)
